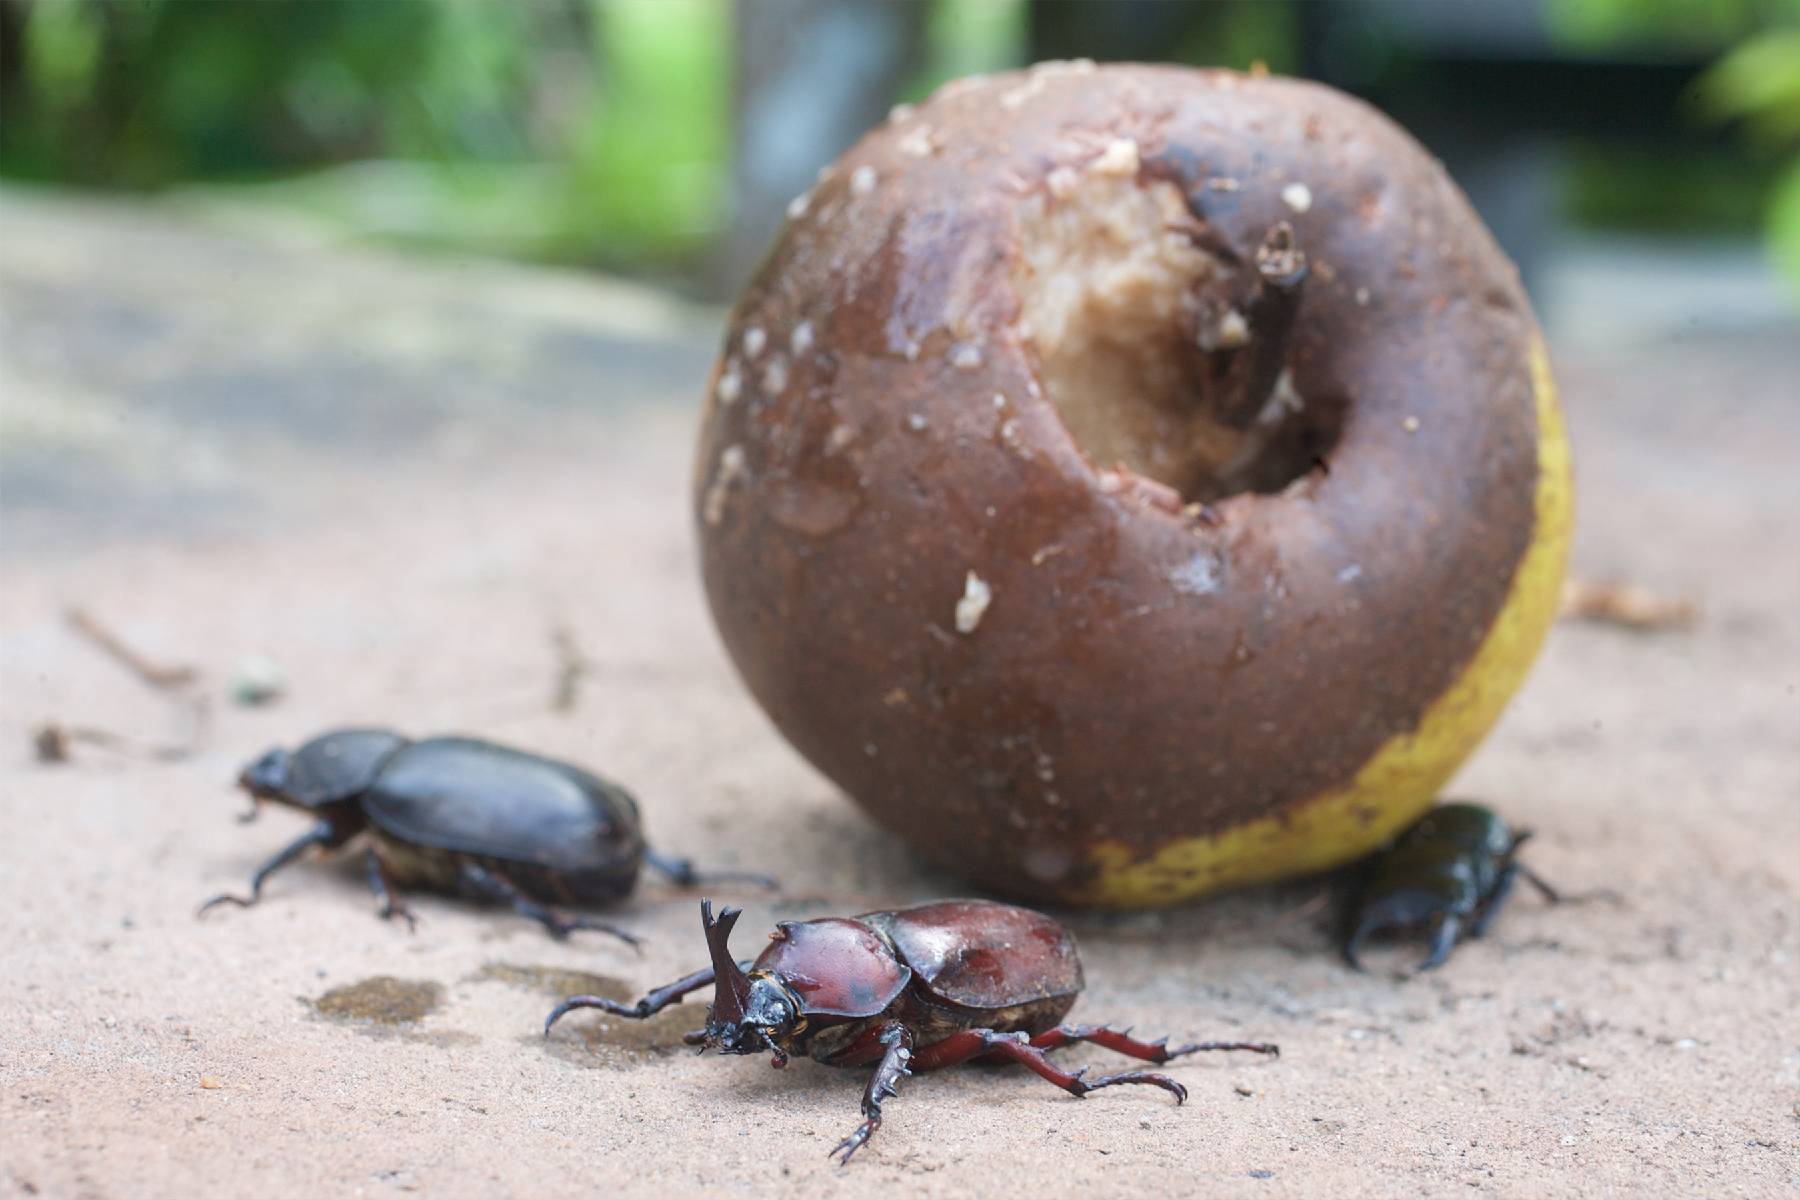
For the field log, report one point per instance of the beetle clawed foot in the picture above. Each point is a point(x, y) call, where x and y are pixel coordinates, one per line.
point(1081, 1085)
point(856, 1141)
point(1269, 1048)
point(391, 912)
point(561, 927)
point(225, 898)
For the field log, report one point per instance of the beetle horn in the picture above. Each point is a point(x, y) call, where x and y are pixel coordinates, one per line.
point(731, 987)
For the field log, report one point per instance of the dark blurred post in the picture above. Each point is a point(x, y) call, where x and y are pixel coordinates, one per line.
point(811, 76)
point(1119, 31)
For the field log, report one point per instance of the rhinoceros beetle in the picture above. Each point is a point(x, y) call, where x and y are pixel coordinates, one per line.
point(908, 990)
point(1454, 867)
point(464, 816)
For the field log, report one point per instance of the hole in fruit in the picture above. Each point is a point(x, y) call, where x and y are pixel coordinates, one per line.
point(1160, 354)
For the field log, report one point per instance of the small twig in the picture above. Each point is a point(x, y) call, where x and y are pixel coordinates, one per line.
point(571, 666)
point(1628, 605)
point(162, 678)
point(1281, 271)
point(53, 743)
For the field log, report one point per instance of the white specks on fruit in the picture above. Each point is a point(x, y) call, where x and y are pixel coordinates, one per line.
point(1224, 183)
point(775, 376)
point(797, 206)
point(1201, 575)
point(896, 698)
point(1120, 158)
point(900, 112)
point(839, 439)
point(917, 422)
point(976, 597)
point(1362, 297)
point(1062, 183)
point(863, 180)
point(966, 356)
point(999, 400)
point(754, 341)
point(1350, 574)
point(731, 385)
point(1410, 424)
point(1013, 98)
point(732, 467)
point(1297, 196)
point(917, 142)
point(801, 340)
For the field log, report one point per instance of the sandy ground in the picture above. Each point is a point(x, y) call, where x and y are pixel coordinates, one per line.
point(399, 480)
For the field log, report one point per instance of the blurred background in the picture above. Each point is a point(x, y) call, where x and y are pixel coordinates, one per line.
point(1638, 158)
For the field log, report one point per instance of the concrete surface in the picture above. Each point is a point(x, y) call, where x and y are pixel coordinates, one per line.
point(399, 479)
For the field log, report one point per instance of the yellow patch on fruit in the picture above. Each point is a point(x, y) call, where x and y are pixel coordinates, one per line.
point(1402, 779)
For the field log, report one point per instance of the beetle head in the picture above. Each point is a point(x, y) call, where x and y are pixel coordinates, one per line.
point(749, 1013)
point(267, 779)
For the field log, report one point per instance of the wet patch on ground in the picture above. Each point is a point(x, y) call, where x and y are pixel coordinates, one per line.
point(386, 1007)
point(558, 982)
point(590, 1038)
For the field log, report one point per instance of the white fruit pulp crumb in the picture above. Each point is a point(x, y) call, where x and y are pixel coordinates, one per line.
point(976, 597)
point(862, 180)
point(1119, 158)
point(754, 341)
point(1297, 196)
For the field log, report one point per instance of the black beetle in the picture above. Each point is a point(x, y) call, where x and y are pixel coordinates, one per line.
point(1457, 864)
point(909, 990)
point(465, 816)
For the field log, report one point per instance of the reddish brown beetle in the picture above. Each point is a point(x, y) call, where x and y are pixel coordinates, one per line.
point(910, 990)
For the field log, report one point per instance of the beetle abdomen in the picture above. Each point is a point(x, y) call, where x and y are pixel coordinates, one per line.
point(980, 954)
point(473, 797)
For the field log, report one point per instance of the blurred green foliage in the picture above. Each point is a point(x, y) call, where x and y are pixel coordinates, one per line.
point(1758, 85)
point(1704, 25)
point(599, 131)
point(577, 130)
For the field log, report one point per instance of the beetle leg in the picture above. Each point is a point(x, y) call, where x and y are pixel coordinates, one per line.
point(393, 904)
point(1121, 1041)
point(682, 873)
point(883, 1083)
point(977, 1043)
point(1443, 940)
point(560, 924)
point(322, 834)
point(1390, 912)
point(652, 1003)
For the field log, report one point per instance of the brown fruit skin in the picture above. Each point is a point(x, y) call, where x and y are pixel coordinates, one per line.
point(855, 466)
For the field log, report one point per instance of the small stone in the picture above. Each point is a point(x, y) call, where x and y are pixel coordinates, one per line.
point(256, 680)
point(211, 1083)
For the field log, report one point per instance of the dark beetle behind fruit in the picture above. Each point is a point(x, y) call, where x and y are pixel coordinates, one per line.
point(1451, 873)
point(908, 990)
point(465, 816)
